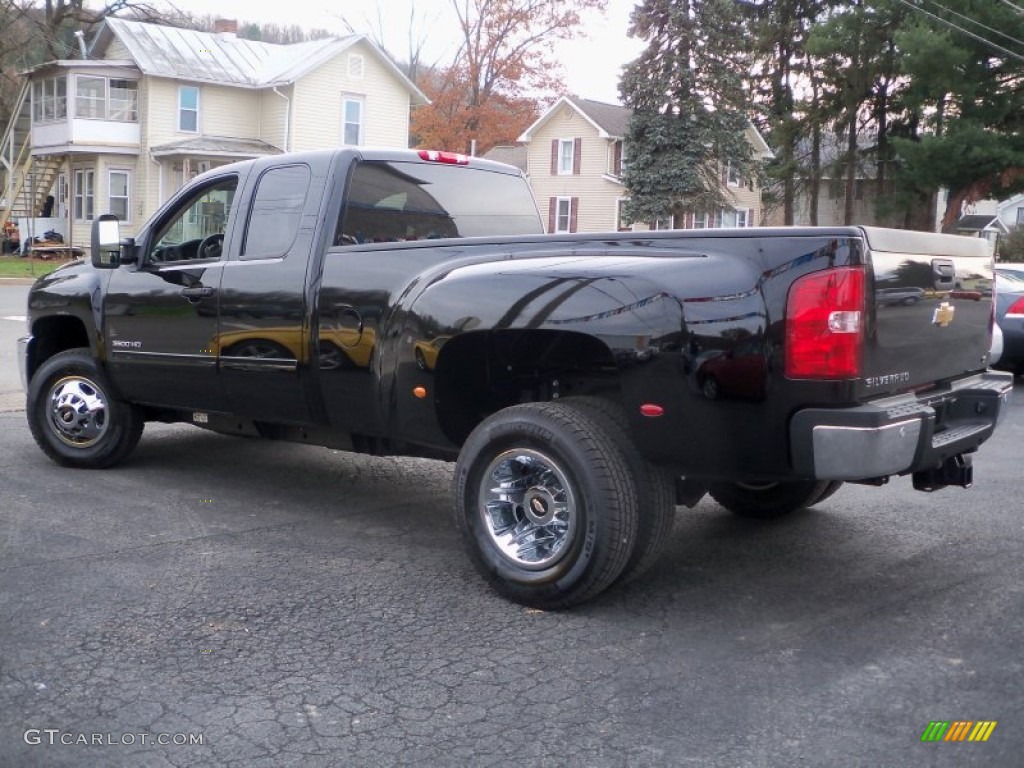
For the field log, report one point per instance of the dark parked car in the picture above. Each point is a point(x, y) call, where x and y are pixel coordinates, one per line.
point(1010, 316)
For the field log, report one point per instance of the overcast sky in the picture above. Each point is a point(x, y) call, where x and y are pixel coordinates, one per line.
point(591, 62)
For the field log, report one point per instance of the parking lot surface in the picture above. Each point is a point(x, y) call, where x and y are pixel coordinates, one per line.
point(288, 605)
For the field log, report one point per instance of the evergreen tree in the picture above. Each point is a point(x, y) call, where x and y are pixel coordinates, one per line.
point(688, 93)
point(784, 92)
point(964, 103)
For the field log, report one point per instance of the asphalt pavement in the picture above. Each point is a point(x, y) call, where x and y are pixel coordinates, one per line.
point(286, 605)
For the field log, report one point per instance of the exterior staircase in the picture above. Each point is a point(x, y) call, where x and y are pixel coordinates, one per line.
point(27, 180)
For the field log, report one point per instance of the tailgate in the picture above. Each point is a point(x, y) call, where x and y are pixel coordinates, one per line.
point(931, 313)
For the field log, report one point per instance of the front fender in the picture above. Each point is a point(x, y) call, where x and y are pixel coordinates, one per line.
point(65, 309)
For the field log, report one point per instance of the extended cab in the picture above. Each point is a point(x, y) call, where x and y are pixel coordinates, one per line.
point(395, 302)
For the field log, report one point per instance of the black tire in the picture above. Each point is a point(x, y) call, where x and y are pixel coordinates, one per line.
point(770, 500)
point(830, 488)
point(655, 487)
point(710, 387)
point(73, 416)
point(546, 504)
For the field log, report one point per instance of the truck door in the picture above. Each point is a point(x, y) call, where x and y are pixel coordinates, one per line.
point(160, 318)
point(264, 336)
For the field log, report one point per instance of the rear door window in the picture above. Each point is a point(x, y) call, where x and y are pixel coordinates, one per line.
point(276, 212)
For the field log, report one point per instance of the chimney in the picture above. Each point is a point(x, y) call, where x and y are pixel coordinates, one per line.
point(225, 26)
point(82, 47)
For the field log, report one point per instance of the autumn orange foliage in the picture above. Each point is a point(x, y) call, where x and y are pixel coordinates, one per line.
point(502, 72)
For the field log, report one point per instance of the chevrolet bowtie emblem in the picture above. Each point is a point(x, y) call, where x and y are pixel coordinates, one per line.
point(943, 314)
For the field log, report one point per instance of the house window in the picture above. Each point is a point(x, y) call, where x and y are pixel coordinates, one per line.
point(117, 194)
point(188, 109)
point(355, 66)
point(62, 195)
point(352, 120)
point(742, 217)
point(91, 97)
point(566, 156)
point(562, 214)
point(123, 103)
point(48, 96)
point(622, 222)
point(700, 221)
point(732, 175)
point(666, 222)
point(563, 217)
point(85, 179)
point(61, 98)
point(49, 99)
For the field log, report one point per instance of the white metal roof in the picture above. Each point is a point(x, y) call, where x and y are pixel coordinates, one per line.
point(226, 59)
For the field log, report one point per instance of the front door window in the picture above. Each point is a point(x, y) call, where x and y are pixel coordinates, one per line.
point(196, 229)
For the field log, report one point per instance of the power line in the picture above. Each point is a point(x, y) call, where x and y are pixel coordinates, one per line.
point(967, 32)
point(978, 23)
point(1015, 7)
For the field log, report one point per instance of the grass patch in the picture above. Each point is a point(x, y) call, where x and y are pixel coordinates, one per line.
point(15, 266)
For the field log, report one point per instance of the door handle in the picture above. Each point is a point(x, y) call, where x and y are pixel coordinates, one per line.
point(197, 292)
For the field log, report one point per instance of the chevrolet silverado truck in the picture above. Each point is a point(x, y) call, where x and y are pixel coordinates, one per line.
point(407, 303)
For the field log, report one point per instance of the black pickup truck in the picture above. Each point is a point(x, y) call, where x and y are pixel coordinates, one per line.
point(402, 302)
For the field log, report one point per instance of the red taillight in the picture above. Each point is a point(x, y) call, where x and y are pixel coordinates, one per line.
point(443, 157)
point(825, 325)
point(1016, 309)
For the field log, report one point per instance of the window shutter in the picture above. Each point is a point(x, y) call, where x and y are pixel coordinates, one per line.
point(552, 212)
point(617, 162)
point(574, 208)
point(554, 157)
point(577, 155)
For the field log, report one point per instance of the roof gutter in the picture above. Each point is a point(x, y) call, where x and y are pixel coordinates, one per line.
point(287, 116)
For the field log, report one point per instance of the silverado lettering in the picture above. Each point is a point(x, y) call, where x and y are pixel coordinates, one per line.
point(408, 303)
point(889, 378)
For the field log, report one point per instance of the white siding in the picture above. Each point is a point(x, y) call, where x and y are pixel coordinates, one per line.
point(273, 112)
point(231, 112)
point(316, 104)
point(117, 50)
point(597, 195)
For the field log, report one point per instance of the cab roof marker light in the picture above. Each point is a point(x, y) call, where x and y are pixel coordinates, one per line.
point(452, 158)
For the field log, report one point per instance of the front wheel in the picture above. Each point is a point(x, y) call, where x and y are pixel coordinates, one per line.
point(73, 417)
point(767, 501)
point(546, 504)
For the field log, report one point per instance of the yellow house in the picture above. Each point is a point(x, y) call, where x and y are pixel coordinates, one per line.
point(574, 161)
point(151, 106)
